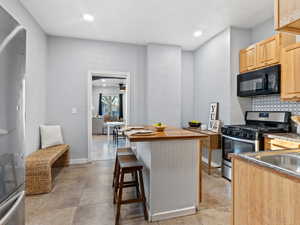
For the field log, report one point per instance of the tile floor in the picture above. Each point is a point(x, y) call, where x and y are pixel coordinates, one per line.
point(82, 195)
point(104, 149)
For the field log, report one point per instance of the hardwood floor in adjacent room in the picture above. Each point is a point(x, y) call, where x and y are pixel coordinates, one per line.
point(82, 195)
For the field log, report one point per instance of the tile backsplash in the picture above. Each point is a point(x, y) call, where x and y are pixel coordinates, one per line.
point(273, 103)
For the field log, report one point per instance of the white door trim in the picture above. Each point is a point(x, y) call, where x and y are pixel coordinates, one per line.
point(90, 98)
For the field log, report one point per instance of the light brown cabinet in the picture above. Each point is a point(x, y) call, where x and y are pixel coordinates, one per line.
point(278, 144)
point(248, 59)
point(287, 16)
point(265, 53)
point(290, 75)
point(243, 61)
point(268, 51)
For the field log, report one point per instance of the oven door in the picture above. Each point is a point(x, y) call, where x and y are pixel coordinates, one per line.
point(235, 145)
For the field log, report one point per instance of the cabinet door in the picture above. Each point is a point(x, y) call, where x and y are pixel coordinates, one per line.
point(251, 57)
point(289, 11)
point(287, 15)
point(243, 61)
point(290, 76)
point(268, 51)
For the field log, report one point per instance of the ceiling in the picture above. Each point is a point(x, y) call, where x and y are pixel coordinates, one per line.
point(148, 21)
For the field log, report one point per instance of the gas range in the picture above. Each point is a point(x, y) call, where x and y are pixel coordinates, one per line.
point(251, 132)
point(249, 137)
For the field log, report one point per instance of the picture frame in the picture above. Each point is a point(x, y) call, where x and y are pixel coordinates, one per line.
point(216, 126)
point(213, 114)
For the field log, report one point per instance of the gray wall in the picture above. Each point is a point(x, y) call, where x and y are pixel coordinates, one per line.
point(263, 31)
point(239, 39)
point(216, 68)
point(35, 70)
point(164, 84)
point(212, 77)
point(69, 61)
point(187, 88)
point(273, 102)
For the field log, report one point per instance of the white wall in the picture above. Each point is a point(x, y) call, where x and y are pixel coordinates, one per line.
point(187, 88)
point(212, 77)
point(69, 61)
point(35, 70)
point(164, 84)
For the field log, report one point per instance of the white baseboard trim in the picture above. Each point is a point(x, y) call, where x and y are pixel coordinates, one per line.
point(78, 161)
point(173, 213)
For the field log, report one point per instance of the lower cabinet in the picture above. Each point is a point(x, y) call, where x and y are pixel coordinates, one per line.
point(278, 144)
point(262, 196)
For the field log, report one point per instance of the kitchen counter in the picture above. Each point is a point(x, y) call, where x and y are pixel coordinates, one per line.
point(172, 171)
point(286, 162)
point(293, 137)
point(266, 188)
point(170, 133)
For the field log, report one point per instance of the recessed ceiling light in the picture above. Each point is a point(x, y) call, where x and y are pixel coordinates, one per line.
point(88, 17)
point(104, 85)
point(198, 33)
point(103, 80)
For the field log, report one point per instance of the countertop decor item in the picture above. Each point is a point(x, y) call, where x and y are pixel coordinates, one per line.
point(159, 127)
point(213, 114)
point(194, 123)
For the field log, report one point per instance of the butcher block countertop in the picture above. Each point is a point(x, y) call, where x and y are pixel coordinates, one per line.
point(170, 133)
point(293, 137)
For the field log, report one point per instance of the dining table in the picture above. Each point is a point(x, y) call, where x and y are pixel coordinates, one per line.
point(112, 124)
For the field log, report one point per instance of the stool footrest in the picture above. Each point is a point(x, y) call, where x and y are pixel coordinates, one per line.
point(129, 201)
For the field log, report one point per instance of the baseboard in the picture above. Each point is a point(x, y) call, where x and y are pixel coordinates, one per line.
point(173, 213)
point(78, 161)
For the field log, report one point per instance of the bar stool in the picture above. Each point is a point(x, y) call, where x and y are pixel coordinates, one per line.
point(128, 164)
point(122, 151)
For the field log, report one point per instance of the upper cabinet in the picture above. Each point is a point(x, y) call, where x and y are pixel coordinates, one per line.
point(265, 53)
point(290, 73)
point(268, 51)
point(248, 59)
point(287, 15)
point(243, 61)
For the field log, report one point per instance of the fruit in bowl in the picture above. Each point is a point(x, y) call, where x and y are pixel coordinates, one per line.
point(195, 123)
point(159, 127)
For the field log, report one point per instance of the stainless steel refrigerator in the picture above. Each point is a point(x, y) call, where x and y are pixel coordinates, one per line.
point(12, 118)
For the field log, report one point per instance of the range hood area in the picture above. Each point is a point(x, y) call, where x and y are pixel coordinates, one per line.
point(259, 82)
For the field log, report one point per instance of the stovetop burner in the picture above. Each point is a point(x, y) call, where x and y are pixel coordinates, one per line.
point(257, 128)
point(258, 123)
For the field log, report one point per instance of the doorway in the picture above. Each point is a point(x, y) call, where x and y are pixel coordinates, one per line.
point(108, 111)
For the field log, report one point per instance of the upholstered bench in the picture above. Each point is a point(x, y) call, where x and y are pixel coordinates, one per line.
point(39, 166)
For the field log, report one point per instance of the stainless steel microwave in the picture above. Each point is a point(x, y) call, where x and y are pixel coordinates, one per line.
point(260, 82)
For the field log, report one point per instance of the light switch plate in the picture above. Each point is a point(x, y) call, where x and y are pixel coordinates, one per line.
point(74, 110)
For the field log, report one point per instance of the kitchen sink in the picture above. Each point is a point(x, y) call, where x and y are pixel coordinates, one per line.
point(289, 161)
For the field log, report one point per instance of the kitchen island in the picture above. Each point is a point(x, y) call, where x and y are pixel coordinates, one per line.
point(172, 171)
point(266, 188)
